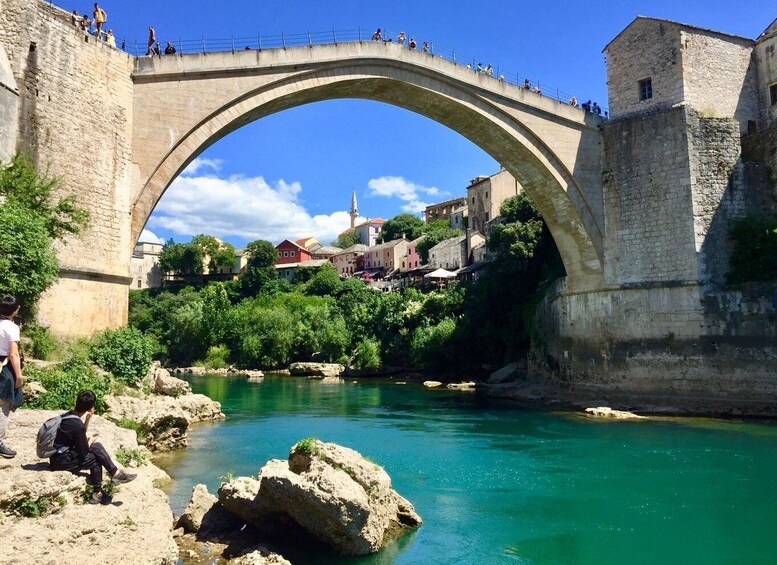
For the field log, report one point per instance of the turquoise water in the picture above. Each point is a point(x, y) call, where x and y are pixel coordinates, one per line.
point(498, 484)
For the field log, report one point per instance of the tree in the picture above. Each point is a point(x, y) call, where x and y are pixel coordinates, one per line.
point(221, 255)
point(434, 233)
point(31, 219)
point(347, 239)
point(518, 236)
point(182, 258)
point(261, 253)
point(260, 276)
point(403, 225)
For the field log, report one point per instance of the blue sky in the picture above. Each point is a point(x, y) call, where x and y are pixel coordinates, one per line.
point(292, 173)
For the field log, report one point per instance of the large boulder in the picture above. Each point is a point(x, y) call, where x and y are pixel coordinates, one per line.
point(165, 419)
point(510, 372)
point(162, 382)
point(316, 369)
point(331, 492)
point(136, 528)
point(205, 516)
point(160, 417)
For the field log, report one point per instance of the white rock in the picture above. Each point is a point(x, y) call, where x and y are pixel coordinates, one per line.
point(316, 369)
point(432, 384)
point(607, 412)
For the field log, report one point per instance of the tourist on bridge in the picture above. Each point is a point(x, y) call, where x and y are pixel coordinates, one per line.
point(596, 109)
point(426, 47)
point(169, 49)
point(526, 84)
point(401, 38)
point(75, 19)
point(376, 36)
point(10, 368)
point(100, 18)
point(587, 105)
point(110, 39)
point(151, 41)
point(157, 49)
point(411, 43)
point(537, 90)
point(489, 70)
point(479, 69)
point(573, 102)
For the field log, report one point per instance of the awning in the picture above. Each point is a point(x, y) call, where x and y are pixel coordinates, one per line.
point(440, 274)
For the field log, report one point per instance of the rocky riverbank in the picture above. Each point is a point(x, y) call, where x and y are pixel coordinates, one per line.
point(136, 528)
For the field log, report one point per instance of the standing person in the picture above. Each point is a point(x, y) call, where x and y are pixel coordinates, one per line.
point(75, 19)
point(411, 43)
point(74, 452)
point(376, 36)
point(11, 370)
point(151, 40)
point(401, 38)
point(99, 16)
point(110, 39)
point(426, 47)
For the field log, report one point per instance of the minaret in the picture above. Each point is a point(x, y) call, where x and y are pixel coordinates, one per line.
point(354, 209)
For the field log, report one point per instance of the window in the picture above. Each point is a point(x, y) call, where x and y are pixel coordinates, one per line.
point(773, 94)
point(140, 283)
point(473, 199)
point(291, 253)
point(285, 253)
point(486, 216)
point(645, 89)
point(486, 194)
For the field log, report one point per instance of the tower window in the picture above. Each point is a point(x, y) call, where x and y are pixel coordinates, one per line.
point(773, 94)
point(645, 89)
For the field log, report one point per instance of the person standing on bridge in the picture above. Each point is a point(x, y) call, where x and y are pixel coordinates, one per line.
point(100, 18)
point(411, 43)
point(401, 38)
point(151, 41)
point(376, 36)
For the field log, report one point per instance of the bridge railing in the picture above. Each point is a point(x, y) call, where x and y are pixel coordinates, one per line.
point(332, 36)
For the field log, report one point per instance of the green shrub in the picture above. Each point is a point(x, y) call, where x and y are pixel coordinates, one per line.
point(138, 427)
point(63, 382)
point(39, 343)
point(307, 445)
point(36, 508)
point(126, 353)
point(431, 346)
point(126, 456)
point(367, 354)
point(217, 357)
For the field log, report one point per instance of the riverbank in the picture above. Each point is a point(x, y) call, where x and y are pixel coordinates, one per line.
point(45, 520)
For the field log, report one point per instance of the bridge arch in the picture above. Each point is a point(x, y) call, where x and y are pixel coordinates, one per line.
point(231, 97)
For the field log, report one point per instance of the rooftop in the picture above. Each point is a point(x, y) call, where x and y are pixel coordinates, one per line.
point(682, 25)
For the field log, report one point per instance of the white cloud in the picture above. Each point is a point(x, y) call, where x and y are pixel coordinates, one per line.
point(147, 236)
point(199, 164)
point(245, 207)
point(407, 191)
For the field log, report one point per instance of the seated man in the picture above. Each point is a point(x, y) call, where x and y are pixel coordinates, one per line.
point(74, 452)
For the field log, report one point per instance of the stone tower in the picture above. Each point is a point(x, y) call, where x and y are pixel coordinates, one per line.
point(354, 209)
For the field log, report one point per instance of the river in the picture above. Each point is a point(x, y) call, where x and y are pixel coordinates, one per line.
point(499, 484)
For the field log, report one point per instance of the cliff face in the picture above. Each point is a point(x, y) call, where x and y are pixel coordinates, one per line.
point(135, 528)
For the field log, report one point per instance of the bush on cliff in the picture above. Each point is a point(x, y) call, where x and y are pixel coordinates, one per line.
point(63, 382)
point(31, 219)
point(126, 353)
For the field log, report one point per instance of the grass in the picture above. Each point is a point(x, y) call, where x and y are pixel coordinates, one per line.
point(138, 427)
point(37, 508)
point(108, 488)
point(307, 445)
point(228, 477)
point(161, 482)
point(130, 457)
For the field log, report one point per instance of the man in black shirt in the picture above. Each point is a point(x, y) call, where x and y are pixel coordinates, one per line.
point(74, 452)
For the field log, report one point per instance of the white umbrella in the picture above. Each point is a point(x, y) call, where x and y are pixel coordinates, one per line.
point(440, 274)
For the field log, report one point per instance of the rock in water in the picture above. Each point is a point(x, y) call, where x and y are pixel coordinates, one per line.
point(316, 369)
point(330, 491)
point(205, 516)
point(607, 412)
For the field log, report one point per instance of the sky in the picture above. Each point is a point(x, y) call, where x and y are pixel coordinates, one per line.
point(291, 174)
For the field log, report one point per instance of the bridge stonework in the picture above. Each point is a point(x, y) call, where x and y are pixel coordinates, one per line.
point(638, 206)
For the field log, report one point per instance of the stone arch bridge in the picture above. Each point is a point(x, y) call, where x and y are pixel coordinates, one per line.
point(183, 104)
